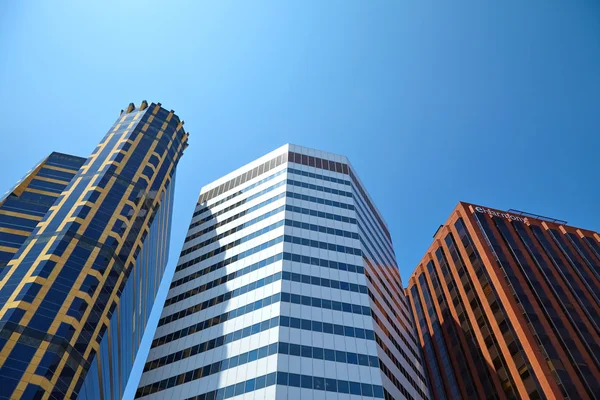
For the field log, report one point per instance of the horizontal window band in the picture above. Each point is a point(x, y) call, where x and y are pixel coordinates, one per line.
point(219, 319)
point(285, 297)
point(241, 191)
point(241, 202)
point(359, 207)
point(287, 222)
point(221, 264)
point(270, 243)
point(294, 380)
point(318, 188)
point(243, 178)
point(212, 343)
point(317, 353)
point(369, 204)
point(233, 230)
point(286, 256)
point(290, 182)
point(219, 299)
point(233, 244)
point(320, 214)
point(286, 321)
point(233, 218)
point(301, 210)
point(235, 258)
point(271, 164)
point(287, 276)
point(318, 176)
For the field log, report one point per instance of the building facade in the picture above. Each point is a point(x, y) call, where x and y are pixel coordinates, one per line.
point(83, 247)
point(286, 288)
point(507, 306)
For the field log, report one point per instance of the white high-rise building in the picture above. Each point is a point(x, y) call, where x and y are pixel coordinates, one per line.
point(287, 288)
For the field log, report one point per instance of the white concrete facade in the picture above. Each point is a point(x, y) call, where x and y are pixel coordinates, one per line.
point(287, 288)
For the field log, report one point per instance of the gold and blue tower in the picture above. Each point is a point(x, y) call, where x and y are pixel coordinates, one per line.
point(83, 246)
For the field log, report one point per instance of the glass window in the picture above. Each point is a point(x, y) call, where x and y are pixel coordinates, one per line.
point(355, 388)
point(306, 381)
point(294, 380)
point(343, 387)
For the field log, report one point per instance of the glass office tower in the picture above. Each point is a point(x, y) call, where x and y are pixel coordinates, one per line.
point(286, 288)
point(507, 307)
point(83, 246)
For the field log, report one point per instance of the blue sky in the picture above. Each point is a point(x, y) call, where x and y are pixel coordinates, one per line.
point(495, 103)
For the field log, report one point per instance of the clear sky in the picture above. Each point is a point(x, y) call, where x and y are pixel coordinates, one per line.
point(495, 103)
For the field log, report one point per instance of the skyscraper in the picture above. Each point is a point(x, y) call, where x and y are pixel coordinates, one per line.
point(286, 287)
point(507, 306)
point(83, 246)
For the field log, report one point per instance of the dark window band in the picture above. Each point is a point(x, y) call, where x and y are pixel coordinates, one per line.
point(318, 188)
point(279, 196)
point(285, 297)
point(235, 243)
point(291, 349)
point(219, 319)
point(286, 379)
point(287, 222)
point(370, 205)
point(241, 202)
point(272, 242)
point(403, 371)
point(286, 276)
point(318, 176)
point(241, 191)
point(291, 322)
point(237, 257)
point(290, 182)
point(233, 217)
point(317, 353)
point(290, 170)
point(319, 200)
point(297, 158)
point(244, 177)
point(286, 256)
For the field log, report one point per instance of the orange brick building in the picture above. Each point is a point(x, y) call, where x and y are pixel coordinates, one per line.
point(506, 305)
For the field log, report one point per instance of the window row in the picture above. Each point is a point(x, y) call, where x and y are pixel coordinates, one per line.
point(298, 196)
point(237, 242)
point(288, 276)
point(244, 190)
point(220, 299)
point(221, 264)
point(318, 188)
point(269, 189)
point(235, 258)
point(317, 162)
point(285, 297)
point(319, 200)
point(271, 177)
point(318, 176)
point(323, 263)
point(233, 217)
point(320, 214)
point(289, 322)
point(296, 224)
point(286, 238)
point(401, 367)
point(241, 202)
point(244, 177)
point(321, 229)
point(298, 323)
point(322, 245)
point(292, 349)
